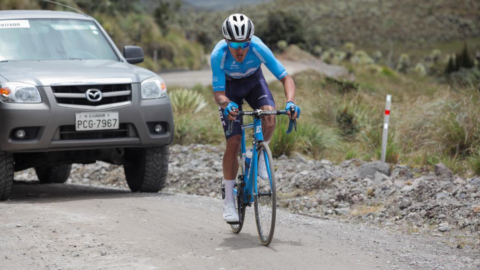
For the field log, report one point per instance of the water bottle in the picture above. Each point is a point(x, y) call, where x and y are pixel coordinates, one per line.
point(248, 160)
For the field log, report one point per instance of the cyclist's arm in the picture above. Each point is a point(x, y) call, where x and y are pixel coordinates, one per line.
point(289, 88)
point(221, 99)
point(217, 61)
point(268, 59)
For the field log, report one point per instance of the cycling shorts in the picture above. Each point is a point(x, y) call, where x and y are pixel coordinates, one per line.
point(253, 89)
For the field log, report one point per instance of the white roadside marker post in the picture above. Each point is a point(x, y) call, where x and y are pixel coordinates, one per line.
point(386, 119)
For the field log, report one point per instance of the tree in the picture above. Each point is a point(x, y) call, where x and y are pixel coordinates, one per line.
point(165, 12)
point(464, 60)
point(282, 26)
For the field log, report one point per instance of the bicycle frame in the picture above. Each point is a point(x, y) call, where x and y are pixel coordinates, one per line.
point(250, 177)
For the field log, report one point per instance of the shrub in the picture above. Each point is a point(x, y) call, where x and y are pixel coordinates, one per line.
point(465, 78)
point(282, 143)
point(342, 86)
point(377, 56)
point(282, 45)
point(313, 140)
point(347, 123)
point(435, 55)
point(349, 48)
point(317, 50)
point(474, 162)
point(403, 63)
point(362, 58)
point(185, 101)
point(420, 69)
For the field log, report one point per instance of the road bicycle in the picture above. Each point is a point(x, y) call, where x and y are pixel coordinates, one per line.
point(250, 188)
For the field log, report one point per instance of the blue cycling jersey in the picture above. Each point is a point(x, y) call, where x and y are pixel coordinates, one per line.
point(223, 63)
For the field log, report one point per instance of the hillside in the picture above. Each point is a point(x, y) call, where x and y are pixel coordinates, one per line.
point(329, 23)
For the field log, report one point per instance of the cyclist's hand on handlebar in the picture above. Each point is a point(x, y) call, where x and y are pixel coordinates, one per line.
point(231, 111)
point(296, 108)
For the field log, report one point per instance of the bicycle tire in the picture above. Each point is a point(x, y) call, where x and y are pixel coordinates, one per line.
point(237, 228)
point(266, 205)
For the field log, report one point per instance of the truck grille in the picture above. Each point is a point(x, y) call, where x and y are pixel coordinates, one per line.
point(75, 95)
point(69, 133)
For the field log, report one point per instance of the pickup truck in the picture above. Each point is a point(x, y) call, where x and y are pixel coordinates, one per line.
point(68, 95)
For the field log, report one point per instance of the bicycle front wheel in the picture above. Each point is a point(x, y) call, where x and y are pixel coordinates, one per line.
point(265, 199)
point(236, 228)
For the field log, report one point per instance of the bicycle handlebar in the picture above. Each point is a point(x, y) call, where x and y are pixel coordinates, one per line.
point(260, 113)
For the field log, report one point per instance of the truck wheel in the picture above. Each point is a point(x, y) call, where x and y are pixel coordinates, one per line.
point(147, 169)
point(6, 175)
point(54, 174)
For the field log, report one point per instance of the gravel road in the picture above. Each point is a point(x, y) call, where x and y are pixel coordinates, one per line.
point(204, 77)
point(80, 227)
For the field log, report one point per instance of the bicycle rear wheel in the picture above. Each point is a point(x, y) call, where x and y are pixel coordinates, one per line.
point(265, 201)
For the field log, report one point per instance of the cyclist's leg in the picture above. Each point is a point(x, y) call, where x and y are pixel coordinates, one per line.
point(260, 97)
point(230, 157)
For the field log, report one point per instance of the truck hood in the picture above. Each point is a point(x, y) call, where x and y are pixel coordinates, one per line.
point(55, 72)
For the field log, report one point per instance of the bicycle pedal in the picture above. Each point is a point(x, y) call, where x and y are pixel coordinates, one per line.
point(234, 223)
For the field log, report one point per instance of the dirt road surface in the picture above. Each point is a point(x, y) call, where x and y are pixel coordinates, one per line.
point(80, 227)
point(204, 77)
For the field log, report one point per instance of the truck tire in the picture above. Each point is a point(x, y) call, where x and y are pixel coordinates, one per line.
point(6, 175)
point(53, 174)
point(147, 170)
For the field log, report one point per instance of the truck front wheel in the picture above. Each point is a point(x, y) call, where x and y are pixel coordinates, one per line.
point(147, 168)
point(6, 175)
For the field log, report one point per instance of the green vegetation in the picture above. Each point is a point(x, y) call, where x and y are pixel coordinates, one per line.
point(424, 54)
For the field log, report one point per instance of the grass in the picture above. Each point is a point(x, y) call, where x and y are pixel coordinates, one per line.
point(430, 121)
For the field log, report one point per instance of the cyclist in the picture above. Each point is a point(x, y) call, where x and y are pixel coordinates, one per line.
point(237, 75)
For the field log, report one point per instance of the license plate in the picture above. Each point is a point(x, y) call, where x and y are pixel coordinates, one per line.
point(96, 121)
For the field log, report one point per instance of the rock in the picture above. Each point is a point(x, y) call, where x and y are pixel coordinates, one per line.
point(399, 183)
point(442, 170)
point(442, 195)
point(459, 181)
point(347, 163)
point(282, 157)
point(326, 162)
point(342, 211)
point(476, 208)
point(475, 182)
point(370, 192)
point(369, 169)
point(380, 177)
point(444, 227)
point(405, 204)
point(300, 158)
point(366, 182)
point(402, 171)
point(407, 188)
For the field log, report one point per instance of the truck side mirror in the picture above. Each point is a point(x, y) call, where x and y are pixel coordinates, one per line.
point(133, 54)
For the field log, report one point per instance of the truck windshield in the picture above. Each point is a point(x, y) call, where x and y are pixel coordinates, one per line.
point(53, 39)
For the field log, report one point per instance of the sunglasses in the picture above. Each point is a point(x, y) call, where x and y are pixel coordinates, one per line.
point(236, 45)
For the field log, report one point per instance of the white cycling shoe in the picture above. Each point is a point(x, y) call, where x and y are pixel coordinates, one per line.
point(262, 168)
point(230, 213)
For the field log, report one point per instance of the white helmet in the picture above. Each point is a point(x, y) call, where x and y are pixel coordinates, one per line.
point(238, 27)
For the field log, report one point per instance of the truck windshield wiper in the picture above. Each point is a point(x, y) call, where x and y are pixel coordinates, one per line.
point(75, 58)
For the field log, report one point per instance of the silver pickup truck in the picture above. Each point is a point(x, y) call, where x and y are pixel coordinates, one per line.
point(68, 95)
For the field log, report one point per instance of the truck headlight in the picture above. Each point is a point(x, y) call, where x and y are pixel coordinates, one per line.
point(154, 88)
point(15, 92)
